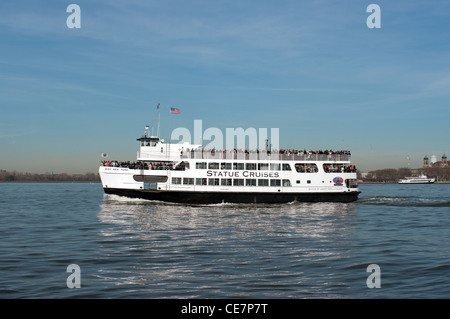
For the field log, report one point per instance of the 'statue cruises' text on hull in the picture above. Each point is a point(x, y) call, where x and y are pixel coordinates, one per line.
point(186, 173)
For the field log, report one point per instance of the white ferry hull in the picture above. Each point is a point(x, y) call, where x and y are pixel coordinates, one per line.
point(130, 183)
point(188, 174)
point(417, 180)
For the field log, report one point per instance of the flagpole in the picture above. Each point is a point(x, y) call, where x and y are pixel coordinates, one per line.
point(159, 118)
point(173, 110)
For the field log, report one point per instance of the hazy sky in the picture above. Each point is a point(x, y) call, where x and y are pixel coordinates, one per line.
point(313, 69)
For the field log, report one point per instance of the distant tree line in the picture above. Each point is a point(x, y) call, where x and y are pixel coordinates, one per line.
point(442, 174)
point(386, 175)
point(14, 176)
point(392, 175)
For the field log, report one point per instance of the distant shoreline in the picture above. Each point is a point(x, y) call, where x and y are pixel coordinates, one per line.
point(19, 177)
point(390, 176)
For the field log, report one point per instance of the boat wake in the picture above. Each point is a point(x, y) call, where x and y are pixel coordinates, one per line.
point(402, 202)
point(117, 199)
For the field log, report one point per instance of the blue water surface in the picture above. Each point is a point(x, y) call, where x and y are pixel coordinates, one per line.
point(130, 248)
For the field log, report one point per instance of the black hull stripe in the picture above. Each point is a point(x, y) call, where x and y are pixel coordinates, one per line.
point(185, 197)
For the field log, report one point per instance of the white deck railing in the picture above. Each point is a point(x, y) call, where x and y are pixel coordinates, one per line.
point(273, 156)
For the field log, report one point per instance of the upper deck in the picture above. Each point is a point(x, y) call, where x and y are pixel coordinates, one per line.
point(340, 156)
point(153, 148)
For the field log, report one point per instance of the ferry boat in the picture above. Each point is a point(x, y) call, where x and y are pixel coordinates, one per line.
point(188, 174)
point(422, 179)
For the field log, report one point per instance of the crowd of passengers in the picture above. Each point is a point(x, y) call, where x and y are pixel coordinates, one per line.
point(281, 151)
point(339, 169)
point(142, 165)
point(328, 168)
point(305, 152)
point(301, 168)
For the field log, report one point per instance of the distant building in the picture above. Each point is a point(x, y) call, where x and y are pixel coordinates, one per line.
point(365, 174)
point(426, 164)
point(433, 159)
point(442, 163)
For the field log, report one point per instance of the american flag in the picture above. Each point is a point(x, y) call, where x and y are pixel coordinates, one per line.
point(174, 110)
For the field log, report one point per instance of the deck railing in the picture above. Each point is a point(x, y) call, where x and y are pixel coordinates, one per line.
point(272, 156)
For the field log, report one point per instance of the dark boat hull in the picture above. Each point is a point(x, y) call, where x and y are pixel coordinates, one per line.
point(185, 197)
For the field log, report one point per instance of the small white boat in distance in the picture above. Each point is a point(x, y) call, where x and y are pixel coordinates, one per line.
point(422, 179)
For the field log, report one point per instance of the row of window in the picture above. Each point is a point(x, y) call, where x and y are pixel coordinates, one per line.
point(231, 181)
point(299, 167)
point(306, 168)
point(244, 166)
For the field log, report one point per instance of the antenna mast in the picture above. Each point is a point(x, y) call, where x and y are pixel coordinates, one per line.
point(159, 118)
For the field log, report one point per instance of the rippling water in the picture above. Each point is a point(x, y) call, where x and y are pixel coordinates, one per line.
point(129, 248)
